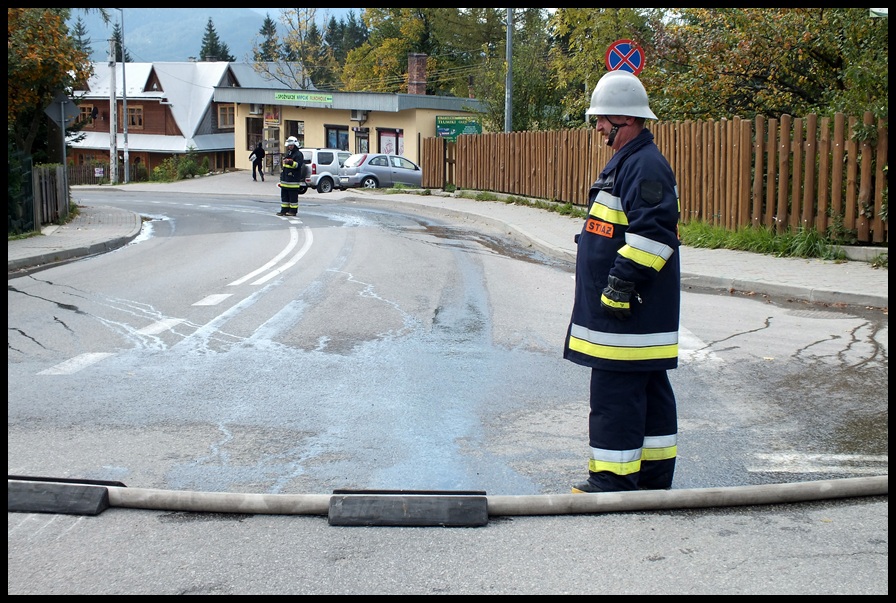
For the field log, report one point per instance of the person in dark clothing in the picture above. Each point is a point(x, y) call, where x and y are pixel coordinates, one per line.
point(625, 315)
point(292, 183)
point(257, 158)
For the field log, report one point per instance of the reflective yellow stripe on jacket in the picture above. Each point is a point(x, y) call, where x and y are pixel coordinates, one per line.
point(645, 252)
point(608, 208)
point(641, 250)
point(623, 346)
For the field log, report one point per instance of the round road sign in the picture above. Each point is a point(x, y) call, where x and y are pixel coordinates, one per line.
point(625, 55)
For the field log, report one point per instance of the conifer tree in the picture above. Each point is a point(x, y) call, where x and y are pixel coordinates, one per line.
point(213, 49)
point(120, 57)
point(81, 37)
point(268, 50)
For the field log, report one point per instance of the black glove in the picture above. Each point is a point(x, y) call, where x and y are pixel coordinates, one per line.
point(616, 298)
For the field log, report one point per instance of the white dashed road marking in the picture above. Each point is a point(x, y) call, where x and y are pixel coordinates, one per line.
point(75, 364)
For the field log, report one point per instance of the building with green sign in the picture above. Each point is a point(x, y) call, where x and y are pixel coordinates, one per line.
point(354, 121)
point(450, 127)
point(220, 111)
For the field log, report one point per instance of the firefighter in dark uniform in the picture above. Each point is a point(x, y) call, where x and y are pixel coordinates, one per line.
point(292, 181)
point(625, 315)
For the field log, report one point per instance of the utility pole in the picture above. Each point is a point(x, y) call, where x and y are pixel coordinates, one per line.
point(124, 101)
point(113, 118)
point(508, 82)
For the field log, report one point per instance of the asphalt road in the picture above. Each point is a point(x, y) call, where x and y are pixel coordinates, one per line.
point(697, 539)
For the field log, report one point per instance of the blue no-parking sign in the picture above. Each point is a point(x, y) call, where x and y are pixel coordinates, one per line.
point(625, 55)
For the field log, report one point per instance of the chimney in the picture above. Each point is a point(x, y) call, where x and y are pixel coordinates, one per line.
point(416, 73)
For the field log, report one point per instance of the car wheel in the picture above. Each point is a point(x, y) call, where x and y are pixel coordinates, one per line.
point(369, 182)
point(325, 185)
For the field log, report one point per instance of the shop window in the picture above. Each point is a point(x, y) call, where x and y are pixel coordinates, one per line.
point(294, 128)
point(254, 132)
point(362, 139)
point(336, 137)
point(390, 141)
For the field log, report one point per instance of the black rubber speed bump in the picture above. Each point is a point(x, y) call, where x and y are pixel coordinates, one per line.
point(57, 495)
point(408, 508)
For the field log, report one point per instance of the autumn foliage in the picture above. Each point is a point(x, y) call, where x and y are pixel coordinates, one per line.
point(42, 62)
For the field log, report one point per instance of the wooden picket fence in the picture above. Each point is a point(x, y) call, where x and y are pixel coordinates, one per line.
point(784, 174)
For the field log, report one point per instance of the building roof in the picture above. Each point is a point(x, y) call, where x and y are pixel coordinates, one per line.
point(157, 143)
point(361, 101)
point(246, 75)
point(187, 88)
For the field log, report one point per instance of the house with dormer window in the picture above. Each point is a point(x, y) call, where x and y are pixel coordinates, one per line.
point(170, 112)
point(220, 110)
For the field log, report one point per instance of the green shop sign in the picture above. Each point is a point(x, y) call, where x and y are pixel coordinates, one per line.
point(303, 97)
point(453, 126)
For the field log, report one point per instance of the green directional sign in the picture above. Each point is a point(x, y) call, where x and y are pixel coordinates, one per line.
point(452, 126)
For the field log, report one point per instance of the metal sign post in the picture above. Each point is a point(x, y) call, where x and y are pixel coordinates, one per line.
point(63, 111)
point(124, 100)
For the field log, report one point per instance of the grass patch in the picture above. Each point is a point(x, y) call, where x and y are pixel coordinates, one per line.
point(564, 209)
point(801, 243)
point(404, 188)
point(23, 235)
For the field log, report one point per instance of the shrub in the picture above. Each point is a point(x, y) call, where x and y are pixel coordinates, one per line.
point(167, 171)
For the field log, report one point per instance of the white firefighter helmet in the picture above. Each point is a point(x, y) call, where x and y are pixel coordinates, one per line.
point(292, 140)
point(620, 93)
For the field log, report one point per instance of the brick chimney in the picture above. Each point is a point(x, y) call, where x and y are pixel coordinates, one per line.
point(416, 73)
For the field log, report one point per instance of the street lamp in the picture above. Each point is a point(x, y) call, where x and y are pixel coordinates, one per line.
point(124, 99)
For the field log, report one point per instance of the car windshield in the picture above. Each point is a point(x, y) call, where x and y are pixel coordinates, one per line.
point(355, 160)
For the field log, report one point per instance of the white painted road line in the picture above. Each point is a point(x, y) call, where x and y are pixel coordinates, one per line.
point(212, 300)
point(309, 239)
point(293, 241)
point(160, 326)
point(800, 462)
point(75, 364)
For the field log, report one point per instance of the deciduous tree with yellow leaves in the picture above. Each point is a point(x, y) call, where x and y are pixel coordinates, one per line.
point(43, 60)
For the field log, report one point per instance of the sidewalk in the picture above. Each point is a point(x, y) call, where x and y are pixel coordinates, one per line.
point(98, 229)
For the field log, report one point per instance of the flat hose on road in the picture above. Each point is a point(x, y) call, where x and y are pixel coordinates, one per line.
point(541, 504)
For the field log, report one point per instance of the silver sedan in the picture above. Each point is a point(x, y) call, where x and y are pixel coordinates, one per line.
point(379, 170)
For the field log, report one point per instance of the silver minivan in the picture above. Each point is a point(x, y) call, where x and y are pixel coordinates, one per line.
point(322, 168)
